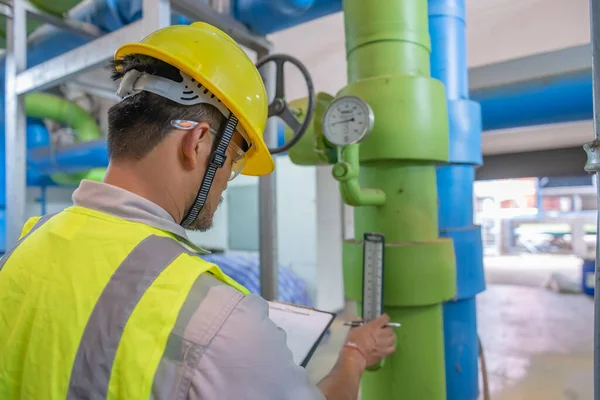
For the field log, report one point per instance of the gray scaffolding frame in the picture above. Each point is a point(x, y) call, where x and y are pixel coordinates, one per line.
point(21, 80)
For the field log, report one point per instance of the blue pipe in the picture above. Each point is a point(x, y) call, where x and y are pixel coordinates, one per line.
point(459, 318)
point(79, 157)
point(37, 137)
point(539, 199)
point(43, 200)
point(70, 159)
point(455, 191)
point(456, 209)
point(268, 16)
point(543, 101)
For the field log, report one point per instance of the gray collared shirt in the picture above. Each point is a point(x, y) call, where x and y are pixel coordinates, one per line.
point(237, 351)
point(123, 204)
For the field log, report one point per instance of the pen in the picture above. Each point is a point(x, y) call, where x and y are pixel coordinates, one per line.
point(359, 323)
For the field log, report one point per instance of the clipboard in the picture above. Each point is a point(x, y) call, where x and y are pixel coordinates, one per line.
point(305, 327)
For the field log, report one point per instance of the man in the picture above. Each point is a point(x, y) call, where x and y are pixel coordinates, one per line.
point(109, 299)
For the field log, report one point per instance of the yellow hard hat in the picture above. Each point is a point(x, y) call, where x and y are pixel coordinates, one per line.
point(215, 60)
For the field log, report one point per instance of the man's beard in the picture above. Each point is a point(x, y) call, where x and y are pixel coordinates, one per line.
point(204, 221)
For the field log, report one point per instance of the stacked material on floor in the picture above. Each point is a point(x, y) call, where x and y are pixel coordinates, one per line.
point(245, 269)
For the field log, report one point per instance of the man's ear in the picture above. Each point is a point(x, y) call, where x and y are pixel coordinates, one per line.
point(196, 145)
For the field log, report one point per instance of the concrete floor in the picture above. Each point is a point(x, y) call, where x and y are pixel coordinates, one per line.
point(531, 269)
point(537, 344)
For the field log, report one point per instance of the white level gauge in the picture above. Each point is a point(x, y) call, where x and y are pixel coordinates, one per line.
point(347, 120)
point(373, 250)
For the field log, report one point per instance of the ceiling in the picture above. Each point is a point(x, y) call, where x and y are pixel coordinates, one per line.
point(497, 30)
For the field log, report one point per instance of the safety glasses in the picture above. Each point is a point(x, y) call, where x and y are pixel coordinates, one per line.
point(239, 155)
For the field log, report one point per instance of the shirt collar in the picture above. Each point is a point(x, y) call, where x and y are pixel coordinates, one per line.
point(123, 204)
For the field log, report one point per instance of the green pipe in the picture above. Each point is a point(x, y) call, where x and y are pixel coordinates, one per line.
point(346, 172)
point(47, 106)
point(58, 8)
point(44, 105)
point(388, 46)
point(55, 7)
point(313, 148)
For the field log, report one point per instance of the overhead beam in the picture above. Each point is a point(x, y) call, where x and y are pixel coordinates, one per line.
point(551, 163)
point(74, 26)
point(64, 67)
point(568, 61)
point(536, 138)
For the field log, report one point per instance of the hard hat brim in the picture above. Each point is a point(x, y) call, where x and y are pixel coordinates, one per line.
point(259, 161)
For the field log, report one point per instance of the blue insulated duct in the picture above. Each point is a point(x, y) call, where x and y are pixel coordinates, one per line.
point(455, 191)
point(79, 157)
point(268, 16)
point(37, 137)
point(69, 159)
point(543, 101)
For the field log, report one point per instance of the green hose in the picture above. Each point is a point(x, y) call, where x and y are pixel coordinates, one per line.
point(58, 8)
point(47, 106)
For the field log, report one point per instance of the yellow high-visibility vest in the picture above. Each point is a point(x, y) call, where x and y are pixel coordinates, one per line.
point(87, 303)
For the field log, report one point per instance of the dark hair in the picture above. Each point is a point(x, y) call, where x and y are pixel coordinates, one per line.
point(139, 123)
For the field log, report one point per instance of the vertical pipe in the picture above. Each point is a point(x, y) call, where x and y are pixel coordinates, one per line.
point(455, 188)
point(43, 200)
point(539, 199)
point(15, 170)
point(595, 38)
point(387, 47)
point(157, 12)
point(597, 299)
point(267, 204)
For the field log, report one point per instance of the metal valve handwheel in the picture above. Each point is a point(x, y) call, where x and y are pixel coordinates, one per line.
point(279, 106)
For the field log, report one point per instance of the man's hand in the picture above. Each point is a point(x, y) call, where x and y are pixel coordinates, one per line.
point(366, 345)
point(374, 340)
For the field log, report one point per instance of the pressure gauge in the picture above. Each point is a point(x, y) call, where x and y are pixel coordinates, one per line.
point(347, 120)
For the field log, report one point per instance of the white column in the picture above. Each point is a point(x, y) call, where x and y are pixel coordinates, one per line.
point(16, 177)
point(330, 281)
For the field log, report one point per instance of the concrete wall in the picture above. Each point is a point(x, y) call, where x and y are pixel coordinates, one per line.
point(57, 199)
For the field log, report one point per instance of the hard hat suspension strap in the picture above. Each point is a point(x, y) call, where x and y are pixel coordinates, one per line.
point(217, 161)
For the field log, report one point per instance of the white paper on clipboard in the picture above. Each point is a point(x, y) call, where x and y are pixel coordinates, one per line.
point(305, 327)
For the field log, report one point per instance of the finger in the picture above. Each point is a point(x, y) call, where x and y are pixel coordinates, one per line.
point(384, 332)
point(387, 341)
point(389, 350)
point(381, 321)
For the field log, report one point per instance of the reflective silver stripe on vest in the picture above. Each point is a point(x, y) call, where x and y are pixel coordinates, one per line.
point(206, 308)
point(35, 227)
point(98, 347)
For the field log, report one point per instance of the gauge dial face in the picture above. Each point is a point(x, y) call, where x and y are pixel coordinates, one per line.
point(348, 120)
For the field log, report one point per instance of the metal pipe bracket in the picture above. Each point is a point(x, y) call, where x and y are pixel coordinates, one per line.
point(593, 156)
